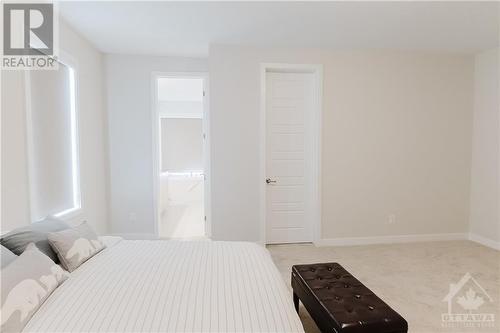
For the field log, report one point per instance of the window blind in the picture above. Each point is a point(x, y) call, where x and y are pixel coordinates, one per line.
point(54, 170)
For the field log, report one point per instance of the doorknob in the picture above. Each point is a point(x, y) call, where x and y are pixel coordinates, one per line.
point(269, 181)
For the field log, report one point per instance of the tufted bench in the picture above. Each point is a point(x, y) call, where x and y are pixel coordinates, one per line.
point(338, 302)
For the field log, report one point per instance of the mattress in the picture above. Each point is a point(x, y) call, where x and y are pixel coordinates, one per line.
point(174, 286)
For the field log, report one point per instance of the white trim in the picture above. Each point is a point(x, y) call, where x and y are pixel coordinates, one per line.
point(206, 156)
point(349, 241)
point(135, 236)
point(484, 241)
point(156, 144)
point(29, 144)
point(155, 140)
point(180, 116)
point(77, 209)
point(317, 70)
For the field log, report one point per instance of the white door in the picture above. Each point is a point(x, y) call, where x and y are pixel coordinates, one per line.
point(289, 114)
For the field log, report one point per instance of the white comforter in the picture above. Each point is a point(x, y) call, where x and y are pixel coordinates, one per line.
point(174, 286)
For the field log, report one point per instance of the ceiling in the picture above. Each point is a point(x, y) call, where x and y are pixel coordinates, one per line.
point(188, 28)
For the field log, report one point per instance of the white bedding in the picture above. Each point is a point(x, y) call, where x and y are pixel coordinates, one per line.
point(175, 286)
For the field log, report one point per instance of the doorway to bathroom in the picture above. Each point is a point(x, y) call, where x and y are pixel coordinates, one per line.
point(182, 162)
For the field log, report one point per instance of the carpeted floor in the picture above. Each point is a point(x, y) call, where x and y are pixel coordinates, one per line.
point(412, 278)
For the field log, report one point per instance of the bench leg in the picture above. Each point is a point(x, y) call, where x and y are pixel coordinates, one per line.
point(296, 302)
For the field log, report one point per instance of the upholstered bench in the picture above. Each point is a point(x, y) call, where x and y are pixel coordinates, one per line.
point(338, 302)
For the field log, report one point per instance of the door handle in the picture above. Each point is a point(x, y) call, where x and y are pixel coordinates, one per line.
point(269, 181)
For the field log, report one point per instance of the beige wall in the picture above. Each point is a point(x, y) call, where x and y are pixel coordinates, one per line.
point(93, 162)
point(485, 173)
point(396, 140)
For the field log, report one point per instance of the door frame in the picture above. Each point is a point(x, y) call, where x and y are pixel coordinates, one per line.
point(317, 71)
point(155, 118)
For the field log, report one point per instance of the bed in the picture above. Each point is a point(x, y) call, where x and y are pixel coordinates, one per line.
point(175, 286)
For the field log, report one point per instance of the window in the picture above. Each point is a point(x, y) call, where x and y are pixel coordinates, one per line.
point(53, 142)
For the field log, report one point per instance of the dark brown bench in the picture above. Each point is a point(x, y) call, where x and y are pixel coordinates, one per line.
point(338, 302)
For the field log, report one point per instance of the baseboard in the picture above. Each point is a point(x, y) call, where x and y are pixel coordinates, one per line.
point(136, 236)
point(350, 241)
point(347, 241)
point(484, 241)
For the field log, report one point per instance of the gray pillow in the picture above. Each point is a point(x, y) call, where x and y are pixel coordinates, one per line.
point(18, 239)
point(76, 245)
point(6, 256)
point(25, 285)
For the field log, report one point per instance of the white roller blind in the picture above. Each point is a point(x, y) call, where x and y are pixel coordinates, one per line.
point(52, 124)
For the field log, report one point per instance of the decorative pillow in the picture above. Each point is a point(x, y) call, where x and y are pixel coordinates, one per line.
point(25, 285)
point(6, 256)
point(18, 239)
point(76, 245)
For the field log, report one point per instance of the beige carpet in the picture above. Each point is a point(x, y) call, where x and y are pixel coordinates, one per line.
point(412, 278)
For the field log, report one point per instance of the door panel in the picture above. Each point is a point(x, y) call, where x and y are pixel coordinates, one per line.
point(280, 194)
point(289, 102)
point(286, 168)
point(287, 219)
point(287, 142)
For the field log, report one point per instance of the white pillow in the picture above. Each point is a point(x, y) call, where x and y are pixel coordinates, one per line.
point(76, 245)
point(25, 284)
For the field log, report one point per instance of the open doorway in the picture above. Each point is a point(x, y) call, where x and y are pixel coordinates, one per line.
point(182, 156)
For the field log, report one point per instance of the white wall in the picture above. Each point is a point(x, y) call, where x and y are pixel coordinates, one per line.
point(485, 173)
point(129, 82)
point(181, 144)
point(93, 163)
point(396, 140)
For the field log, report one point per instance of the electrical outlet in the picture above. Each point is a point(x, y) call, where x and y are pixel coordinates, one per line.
point(132, 217)
point(391, 219)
